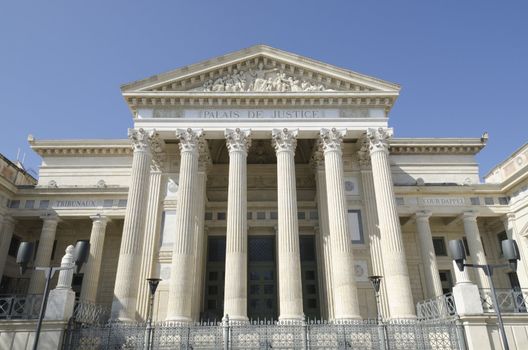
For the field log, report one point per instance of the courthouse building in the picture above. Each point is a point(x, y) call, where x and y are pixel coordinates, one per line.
point(263, 184)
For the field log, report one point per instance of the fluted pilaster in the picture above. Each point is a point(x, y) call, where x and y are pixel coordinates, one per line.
point(396, 277)
point(6, 233)
point(93, 265)
point(510, 226)
point(152, 228)
point(476, 249)
point(127, 276)
point(44, 250)
point(289, 260)
point(371, 215)
point(425, 238)
point(235, 293)
point(183, 251)
point(346, 304)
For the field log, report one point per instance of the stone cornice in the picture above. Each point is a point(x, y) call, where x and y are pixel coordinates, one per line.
point(436, 145)
point(81, 147)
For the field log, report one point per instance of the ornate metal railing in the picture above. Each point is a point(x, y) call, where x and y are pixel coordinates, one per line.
point(90, 313)
point(16, 307)
point(509, 300)
point(361, 334)
point(441, 307)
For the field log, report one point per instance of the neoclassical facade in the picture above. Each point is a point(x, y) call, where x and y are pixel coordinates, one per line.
point(264, 185)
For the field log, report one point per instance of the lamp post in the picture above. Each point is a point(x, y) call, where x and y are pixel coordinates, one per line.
point(376, 283)
point(153, 285)
point(24, 254)
point(511, 253)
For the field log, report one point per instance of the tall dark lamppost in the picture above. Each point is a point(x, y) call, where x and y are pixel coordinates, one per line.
point(376, 284)
point(153, 285)
point(24, 255)
point(510, 251)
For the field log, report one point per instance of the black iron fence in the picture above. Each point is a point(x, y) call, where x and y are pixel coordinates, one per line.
point(361, 334)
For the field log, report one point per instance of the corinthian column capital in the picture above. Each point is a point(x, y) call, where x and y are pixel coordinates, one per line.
point(332, 139)
point(284, 140)
point(145, 140)
point(379, 139)
point(189, 139)
point(238, 139)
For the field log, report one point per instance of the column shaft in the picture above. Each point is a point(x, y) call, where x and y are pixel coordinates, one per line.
point(151, 240)
point(401, 304)
point(324, 236)
point(371, 214)
point(476, 249)
point(199, 233)
point(127, 276)
point(289, 259)
point(6, 232)
point(44, 250)
point(346, 304)
point(182, 270)
point(432, 277)
point(93, 265)
point(235, 293)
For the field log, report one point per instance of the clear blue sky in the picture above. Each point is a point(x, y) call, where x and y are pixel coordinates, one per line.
point(463, 65)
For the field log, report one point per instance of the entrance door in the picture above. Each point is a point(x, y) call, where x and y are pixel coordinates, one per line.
point(214, 279)
point(262, 279)
point(309, 277)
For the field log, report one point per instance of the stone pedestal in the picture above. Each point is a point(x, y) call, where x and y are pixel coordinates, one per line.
point(401, 304)
point(432, 277)
point(183, 258)
point(476, 249)
point(44, 250)
point(61, 300)
point(126, 284)
point(346, 304)
point(93, 265)
point(235, 292)
point(289, 260)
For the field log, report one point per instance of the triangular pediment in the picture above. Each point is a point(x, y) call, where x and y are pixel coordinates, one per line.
point(260, 69)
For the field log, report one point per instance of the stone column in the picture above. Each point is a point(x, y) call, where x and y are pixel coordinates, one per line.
point(432, 278)
point(324, 234)
point(183, 257)
point(346, 304)
point(401, 304)
point(476, 249)
point(235, 293)
point(93, 265)
point(199, 229)
point(289, 258)
point(371, 214)
point(513, 233)
point(152, 227)
point(44, 250)
point(125, 289)
point(6, 234)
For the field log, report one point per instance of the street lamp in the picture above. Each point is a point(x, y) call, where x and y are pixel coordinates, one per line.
point(24, 254)
point(376, 283)
point(153, 285)
point(510, 251)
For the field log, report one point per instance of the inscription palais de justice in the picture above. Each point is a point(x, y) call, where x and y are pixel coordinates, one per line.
point(257, 113)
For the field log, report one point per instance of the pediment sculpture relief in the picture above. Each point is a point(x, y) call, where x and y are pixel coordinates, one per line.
point(260, 80)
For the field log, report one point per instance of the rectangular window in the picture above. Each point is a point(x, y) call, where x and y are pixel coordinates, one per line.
point(14, 204)
point(221, 216)
point(489, 201)
point(44, 204)
point(261, 215)
point(314, 215)
point(30, 204)
point(504, 200)
point(439, 246)
point(208, 216)
point(301, 215)
point(475, 200)
point(447, 281)
point(273, 215)
point(122, 203)
point(355, 226)
point(400, 201)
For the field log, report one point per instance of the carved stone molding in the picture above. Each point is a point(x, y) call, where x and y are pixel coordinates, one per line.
point(189, 139)
point(284, 140)
point(144, 140)
point(332, 139)
point(238, 139)
point(379, 139)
